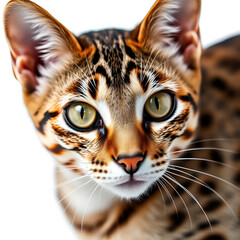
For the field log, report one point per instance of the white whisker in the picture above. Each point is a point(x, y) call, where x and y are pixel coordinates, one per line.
point(99, 196)
point(210, 175)
point(205, 148)
point(164, 205)
point(213, 140)
point(74, 191)
point(69, 204)
point(185, 205)
point(70, 181)
point(154, 59)
point(168, 193)
point(80, 69)
point(67, 168)
point(87, 206)
point(191, 195)
point(148, 61)
point(202, 159)
point(64, 184)
point(89, 67)
point(200, 182)
point(76, 211)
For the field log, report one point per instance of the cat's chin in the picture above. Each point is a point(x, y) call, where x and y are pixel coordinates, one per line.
point(131, 189)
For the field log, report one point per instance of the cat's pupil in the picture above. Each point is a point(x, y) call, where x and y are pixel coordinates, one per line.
point(156, 103)
point(82, 112)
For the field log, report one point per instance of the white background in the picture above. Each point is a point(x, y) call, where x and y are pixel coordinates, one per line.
point(28, 205)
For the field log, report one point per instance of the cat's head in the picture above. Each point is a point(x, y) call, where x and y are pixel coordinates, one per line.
point(113, 105)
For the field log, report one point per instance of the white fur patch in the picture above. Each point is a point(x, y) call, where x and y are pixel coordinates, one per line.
point(84, 195)
point(104, 111)
point(140, 101)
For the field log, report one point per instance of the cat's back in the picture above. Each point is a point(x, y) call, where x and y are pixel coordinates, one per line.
point(217, 140)
point(220, 103)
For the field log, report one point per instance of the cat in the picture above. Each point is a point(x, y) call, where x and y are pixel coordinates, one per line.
point(117, 109)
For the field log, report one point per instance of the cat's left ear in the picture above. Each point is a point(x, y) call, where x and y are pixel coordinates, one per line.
point(40, 46)
point(171, 26)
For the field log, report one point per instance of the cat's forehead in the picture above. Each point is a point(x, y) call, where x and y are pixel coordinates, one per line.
point(110, 42)
point(116, 72)
point(115, 59)
point(115, 77)
point(112, 58)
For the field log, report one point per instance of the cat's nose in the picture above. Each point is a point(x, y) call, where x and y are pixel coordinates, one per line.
point(130, 162)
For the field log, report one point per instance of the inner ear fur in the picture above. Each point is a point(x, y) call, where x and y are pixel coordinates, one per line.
point(171, 26)
point(39, 44)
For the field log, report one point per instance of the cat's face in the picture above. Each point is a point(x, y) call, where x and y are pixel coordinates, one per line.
point(113, 105)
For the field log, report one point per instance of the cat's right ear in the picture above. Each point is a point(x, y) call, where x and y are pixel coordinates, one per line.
point(39, 45)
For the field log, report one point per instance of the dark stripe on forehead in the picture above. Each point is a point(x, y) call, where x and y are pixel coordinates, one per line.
point(77, 88)
point(47, 116)
point(118, 51)
point(93, 88)
point(188, 98)
point(131, 65)
point(143, 80)
point(160, 77)
point(96, 56)
point(101, 70)
point(156, 79)
point(129, 51)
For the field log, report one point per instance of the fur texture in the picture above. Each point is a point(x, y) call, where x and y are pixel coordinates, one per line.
point(126, 159)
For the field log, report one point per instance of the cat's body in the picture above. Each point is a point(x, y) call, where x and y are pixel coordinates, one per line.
point(117, 108)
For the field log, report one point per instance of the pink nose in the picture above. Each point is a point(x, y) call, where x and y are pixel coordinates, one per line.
point(130, 163)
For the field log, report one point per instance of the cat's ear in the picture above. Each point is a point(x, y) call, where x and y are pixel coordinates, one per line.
point(39, 44)
point(171, 26)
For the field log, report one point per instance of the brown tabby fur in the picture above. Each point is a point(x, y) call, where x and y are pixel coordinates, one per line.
point(197, 199)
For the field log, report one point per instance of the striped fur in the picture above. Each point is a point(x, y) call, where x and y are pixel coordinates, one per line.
point(115, 72)
point(116, 75)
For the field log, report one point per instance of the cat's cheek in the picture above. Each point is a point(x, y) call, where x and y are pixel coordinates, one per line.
point(179, 145)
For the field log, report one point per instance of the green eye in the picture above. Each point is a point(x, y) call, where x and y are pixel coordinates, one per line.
point(80, 115)
point(159, 106)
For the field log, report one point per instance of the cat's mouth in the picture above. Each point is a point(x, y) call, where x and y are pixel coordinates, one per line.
point(132, 188)
point(131, 183)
